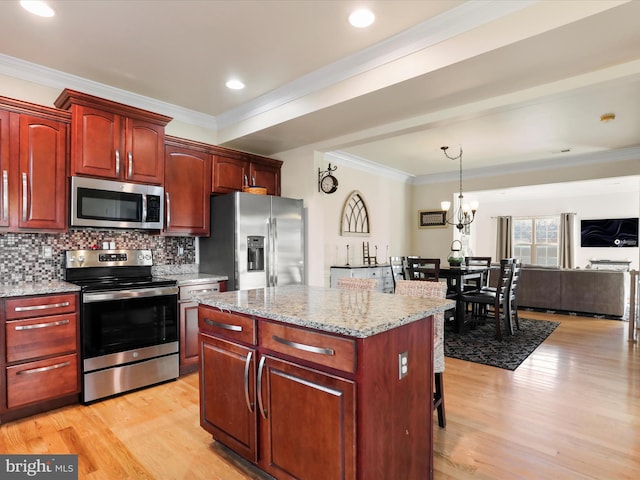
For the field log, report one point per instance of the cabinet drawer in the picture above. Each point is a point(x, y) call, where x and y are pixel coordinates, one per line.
point(320, 348)
point(229, 325)
point(42, 380)
point(26, 307)
point(187, 291)
point(40, 337)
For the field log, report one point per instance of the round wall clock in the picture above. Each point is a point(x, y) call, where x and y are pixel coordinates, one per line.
point(329, 183)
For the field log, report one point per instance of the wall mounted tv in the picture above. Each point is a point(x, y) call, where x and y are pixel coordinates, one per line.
point(610, 232)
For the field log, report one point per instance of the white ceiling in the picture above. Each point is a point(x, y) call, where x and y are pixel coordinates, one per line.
point(512, 82)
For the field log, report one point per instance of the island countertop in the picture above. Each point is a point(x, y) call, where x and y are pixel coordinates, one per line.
point(353, 313)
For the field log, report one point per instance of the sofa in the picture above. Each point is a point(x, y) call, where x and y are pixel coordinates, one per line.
point(598, 292)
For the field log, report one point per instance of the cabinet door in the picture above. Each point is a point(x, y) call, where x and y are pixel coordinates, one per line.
point(42, 171)
point(310, 431)
point(187, 191)
point(95, 148)
point(266, 176)
point(4, 168)
point(227, 394)
point(229, 174)
point(144, 147)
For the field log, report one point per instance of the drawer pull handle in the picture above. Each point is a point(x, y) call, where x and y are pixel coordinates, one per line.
point(204, 290)
point(302, 346)
point(225, 326)
point(41, 325)
point(42, 307)
point(44, 369)
point(247, 364)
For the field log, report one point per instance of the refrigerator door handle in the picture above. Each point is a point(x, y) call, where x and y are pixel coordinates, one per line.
point(274, 249)
point(269, 256)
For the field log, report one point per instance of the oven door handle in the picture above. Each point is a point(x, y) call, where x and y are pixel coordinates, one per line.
point(92, 297)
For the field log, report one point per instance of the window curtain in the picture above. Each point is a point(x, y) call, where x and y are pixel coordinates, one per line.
point(504, 238)
point(567, 240)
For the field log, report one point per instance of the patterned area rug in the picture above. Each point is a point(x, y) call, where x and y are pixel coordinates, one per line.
point(480, 346)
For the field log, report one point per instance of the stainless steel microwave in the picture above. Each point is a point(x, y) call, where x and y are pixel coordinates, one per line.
point(109, 204)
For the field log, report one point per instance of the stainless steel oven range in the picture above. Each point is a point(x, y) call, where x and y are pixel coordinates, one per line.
point(128, 322)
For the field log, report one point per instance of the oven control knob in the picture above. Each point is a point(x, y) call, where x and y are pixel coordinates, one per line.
point(80, 259)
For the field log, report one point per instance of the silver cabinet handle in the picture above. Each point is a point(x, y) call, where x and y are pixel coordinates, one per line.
point(41, 325)
point(130, 167)
point(168, 209)
point(117, 163)
point(302, 346)
point(5, 195)
point(225, 326)
point(247, 364)
point(45, 306)
point(263, 412)
point(44, 369)
point(24, 197)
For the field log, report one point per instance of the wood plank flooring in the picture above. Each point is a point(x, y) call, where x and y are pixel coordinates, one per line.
point(570, 411)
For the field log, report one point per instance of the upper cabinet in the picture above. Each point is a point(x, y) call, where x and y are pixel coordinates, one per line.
point(33, 154)
point(187, 187)
point(114, 141)
point(233, 170)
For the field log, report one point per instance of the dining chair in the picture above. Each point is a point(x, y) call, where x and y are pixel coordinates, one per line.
point(513, 296)
point(432, 290)
point(423, 268)
point(350, 283)
point(398, 269)
point(483, 281)
point(498, 300)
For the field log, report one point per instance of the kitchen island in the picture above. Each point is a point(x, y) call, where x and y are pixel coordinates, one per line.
point(318, 383)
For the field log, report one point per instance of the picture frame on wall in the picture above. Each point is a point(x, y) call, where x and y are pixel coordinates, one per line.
point(432, 218)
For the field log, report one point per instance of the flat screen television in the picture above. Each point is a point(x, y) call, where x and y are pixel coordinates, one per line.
point(610, 232)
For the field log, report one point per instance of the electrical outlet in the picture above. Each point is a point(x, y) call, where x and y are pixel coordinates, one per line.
point(403, 365)
point(47, 252)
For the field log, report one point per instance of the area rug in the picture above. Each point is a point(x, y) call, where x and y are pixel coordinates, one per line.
point(479, 345)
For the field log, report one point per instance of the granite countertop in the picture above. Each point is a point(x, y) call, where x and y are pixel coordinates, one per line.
point(348, 312)
point(37, 288)
point(194, 278)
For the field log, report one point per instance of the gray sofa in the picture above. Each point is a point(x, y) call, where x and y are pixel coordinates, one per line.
point(600, 292)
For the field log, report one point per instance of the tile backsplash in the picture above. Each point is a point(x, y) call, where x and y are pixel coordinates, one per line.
point(21, 254)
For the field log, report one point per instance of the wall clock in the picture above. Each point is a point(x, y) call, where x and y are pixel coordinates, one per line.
point(327, 183)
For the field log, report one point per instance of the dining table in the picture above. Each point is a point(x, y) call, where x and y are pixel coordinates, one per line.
point(457, 277)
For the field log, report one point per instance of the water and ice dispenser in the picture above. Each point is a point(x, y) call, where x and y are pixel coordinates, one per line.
point(255, 253)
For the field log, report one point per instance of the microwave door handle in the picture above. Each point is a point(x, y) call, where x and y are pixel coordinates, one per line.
point(130, 167)
point(144, 207)
point(25, 194)
point(5, 195)
point(168, 209)
point(117, 163)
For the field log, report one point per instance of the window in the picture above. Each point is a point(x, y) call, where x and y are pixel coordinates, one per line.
point(536, 240)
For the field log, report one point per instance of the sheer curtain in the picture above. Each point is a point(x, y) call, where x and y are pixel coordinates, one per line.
point(567, 240)
point(504, 238)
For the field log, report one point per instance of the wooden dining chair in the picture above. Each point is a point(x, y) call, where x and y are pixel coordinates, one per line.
point(398, 269)
point(432, 290)
point(513, 296)
point(350, 283)
point(423, 268)
point(483, 281)
point(498, 300)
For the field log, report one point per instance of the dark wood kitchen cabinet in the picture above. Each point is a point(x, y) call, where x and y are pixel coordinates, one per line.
point(40, 364)
point(114, 141)
point(187, 187)
point(233, 170)
point(33, 154)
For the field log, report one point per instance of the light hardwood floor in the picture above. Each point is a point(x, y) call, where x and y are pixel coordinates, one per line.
point(570, 411)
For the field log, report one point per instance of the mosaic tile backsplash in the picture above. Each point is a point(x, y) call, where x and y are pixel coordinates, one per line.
point(21, 254)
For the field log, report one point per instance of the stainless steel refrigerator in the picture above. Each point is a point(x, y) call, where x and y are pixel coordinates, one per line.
point(256, 240)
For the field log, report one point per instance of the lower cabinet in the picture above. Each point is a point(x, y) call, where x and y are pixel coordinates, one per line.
point(40, 361)
point(290, 399)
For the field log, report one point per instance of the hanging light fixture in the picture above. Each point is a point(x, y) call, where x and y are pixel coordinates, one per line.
point(464, 213)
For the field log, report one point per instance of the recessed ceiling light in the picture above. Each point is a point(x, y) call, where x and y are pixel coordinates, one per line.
point(235, 84)
point(362, 18)
point(37, 7)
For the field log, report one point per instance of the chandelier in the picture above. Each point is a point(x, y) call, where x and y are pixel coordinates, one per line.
point(464, 213)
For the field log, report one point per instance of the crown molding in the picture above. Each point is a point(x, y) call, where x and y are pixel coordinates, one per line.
point(49, 77)
point(358, 163)
point(607, 156)
point(466, 17)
